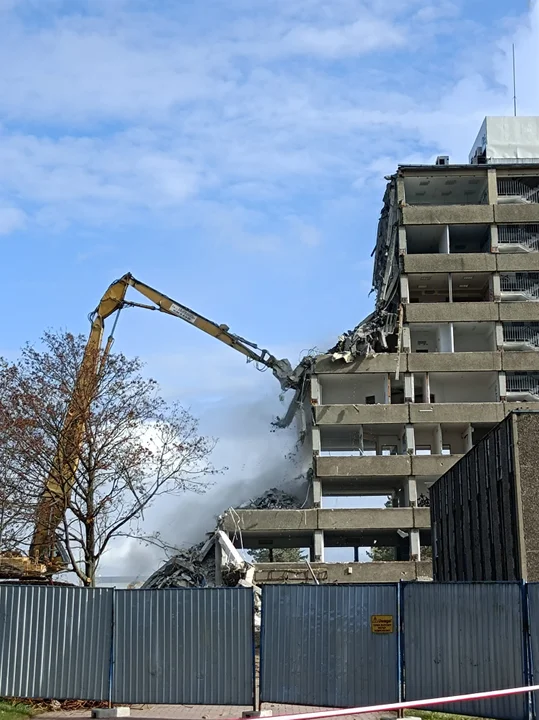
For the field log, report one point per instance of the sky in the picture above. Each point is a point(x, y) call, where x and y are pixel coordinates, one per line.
point(231, 154)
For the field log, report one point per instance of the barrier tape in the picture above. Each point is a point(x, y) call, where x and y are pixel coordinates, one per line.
point(409, 704)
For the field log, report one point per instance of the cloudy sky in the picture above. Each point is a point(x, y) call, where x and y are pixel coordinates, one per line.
point(232, 154)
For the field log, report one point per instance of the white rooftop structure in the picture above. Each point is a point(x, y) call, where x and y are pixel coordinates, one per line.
point(507, 140)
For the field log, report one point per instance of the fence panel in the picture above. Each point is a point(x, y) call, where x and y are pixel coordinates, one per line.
point(184, 646)
point(332, 646)
point(55, 642)
point(533, 610)
point(462, 638)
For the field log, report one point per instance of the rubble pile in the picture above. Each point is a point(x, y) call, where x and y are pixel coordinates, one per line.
point(186, 569)
point(197, 567)
point(273, 499)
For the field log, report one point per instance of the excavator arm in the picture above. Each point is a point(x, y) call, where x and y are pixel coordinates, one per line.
point(54, 499)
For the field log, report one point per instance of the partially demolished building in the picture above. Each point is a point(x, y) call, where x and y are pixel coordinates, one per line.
point(450, 350)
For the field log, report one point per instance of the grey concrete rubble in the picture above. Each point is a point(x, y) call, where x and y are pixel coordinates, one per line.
point(273, 499)
point(197, 566)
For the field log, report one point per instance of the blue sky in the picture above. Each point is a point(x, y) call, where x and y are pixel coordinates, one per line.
point(232, 154)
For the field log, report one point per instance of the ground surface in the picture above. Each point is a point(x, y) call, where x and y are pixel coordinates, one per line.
point(203, 712)
point(14, 711)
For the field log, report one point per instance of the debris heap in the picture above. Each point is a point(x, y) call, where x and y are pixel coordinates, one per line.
point(186, 569)
point(273, 499)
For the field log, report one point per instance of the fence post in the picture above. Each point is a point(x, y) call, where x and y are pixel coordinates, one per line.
point(111, 654)
point(527, 648)
point(400, 643)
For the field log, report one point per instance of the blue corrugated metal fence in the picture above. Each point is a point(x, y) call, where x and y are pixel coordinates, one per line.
point(335, 646)
point(318, 646)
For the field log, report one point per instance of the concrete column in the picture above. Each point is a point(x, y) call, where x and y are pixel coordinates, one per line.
point(502, 386)
point(437, 445)
point(410, 491)
point(495, 287)
point(415, 546)
point(408, 387)
point(405, 289)
point(317, 442)
point(318, 546)
point(387, 390)
point(499, 336)
point(409, 439)
point(494, 238)
point(401, 197)
point(316, 391)
point(403, 245)
point(317, 492)
point(443, 245)
point(467, 436)
point(406, 339)
point(492, 187)
point(360, 441)
point(426, 388)
point(218, 563)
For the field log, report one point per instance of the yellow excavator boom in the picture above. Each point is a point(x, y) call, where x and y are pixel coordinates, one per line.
point(54, 499)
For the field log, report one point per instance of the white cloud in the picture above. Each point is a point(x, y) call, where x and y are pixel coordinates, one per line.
point(11, 219)
point(201, 118)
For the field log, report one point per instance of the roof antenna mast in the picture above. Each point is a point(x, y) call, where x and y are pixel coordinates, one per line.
point(514, 81)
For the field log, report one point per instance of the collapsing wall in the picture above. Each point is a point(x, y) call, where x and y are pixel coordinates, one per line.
point(379, 331)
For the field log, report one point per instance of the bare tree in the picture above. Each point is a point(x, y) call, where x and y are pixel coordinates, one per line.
point(133, 446)
point(16, 505)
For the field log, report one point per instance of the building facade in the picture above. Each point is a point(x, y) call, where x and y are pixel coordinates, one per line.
point(450, 350)
point(484, 510)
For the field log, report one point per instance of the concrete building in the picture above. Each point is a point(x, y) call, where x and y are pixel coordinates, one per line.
point(450, 349)
point(484, 510)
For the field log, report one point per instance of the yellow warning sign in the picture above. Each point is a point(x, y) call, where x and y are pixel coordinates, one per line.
point(382, 623)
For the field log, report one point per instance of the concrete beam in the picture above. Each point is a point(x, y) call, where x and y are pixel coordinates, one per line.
point(518, 262)
point(278, 522)
point(271, 521)
point(366, 466)
point(341, 573)
point(452, 312)
point(449, 215)
point(510, 406)
point(382, 363)
point(520, 361)
point(433, 464)
point(520, 311)
point(373, 519)
point(454, 262)
point(361, 414)
point(456, 413)
point(455, 362)
point(518, 213)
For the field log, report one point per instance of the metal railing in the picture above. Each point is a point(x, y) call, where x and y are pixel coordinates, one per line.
point(525, 235)
point(523, 189)
point(526, 284)
point(522, 382)
point(521, 333)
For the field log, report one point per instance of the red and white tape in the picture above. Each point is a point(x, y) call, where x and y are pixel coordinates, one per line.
point(409, 704)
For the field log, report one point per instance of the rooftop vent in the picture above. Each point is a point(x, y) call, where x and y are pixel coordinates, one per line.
point(442, 160)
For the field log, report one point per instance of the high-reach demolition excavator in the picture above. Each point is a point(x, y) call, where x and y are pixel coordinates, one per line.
point(46, 556)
